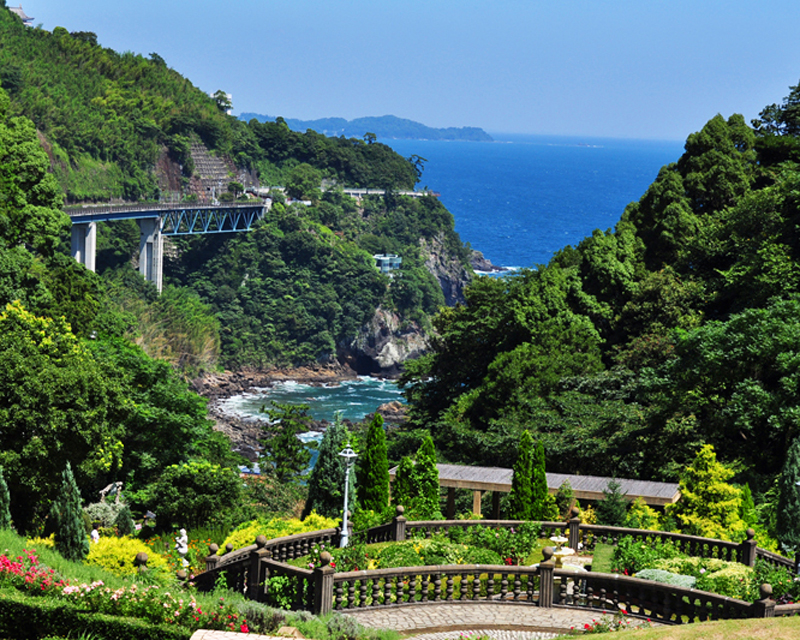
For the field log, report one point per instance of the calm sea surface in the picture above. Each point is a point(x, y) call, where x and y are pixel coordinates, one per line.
point(518, 200)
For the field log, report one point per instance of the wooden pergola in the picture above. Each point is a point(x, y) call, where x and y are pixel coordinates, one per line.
point(498, 480)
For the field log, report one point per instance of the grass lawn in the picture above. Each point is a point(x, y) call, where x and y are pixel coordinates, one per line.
point(756, 629)
point(602, 558)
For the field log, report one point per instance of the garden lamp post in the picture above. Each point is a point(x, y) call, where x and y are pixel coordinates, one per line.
point(349, 455)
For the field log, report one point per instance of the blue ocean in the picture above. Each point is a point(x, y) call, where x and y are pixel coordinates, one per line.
point(521, 198)
point(518, 200)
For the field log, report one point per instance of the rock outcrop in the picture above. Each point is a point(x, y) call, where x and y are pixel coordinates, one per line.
point(383, 345)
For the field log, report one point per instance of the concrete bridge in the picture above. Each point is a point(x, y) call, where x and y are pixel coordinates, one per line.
point(156, 221)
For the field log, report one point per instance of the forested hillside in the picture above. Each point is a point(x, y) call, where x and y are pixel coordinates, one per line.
point(627, 352)
point(121, 127)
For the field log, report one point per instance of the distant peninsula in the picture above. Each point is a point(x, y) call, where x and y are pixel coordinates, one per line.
point(384, 127)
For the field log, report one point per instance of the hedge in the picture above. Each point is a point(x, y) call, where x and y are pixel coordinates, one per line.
point(30, 618)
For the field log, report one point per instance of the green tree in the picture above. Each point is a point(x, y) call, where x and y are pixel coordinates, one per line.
point(544, 506)
point(67, 516)
point(611, 510)
point(788, 515)
point(57, 407)
point(303, 182)
point(373, 469)
point(283, 449)
point(31, 199)
point(403, 485)
point(709, 506)
point(520, 499)
point(195, 494)
point(326, 483)
point(5, 503)
point(425, 503)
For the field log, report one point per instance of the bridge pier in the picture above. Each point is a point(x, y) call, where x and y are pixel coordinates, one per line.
point(151, 251)
point(84, 243)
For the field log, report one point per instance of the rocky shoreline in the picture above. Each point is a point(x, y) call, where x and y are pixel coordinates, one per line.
point(245, 432)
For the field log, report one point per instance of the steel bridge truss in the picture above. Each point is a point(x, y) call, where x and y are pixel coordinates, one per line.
point(218, 219)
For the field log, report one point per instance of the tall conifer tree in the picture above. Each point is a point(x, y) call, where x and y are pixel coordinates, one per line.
point(72, 542)
point(544, 505)
point(426, 481)
point(521, 498)
point(403, 485)
point(326, 483)
point(373, 469)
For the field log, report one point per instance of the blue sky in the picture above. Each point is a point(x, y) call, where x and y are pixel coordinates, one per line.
point(654, 69)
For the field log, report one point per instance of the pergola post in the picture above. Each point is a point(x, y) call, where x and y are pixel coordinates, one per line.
point(451, 503)
point(476, 502)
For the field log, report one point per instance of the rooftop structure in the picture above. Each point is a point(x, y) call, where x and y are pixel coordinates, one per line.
point(26, 20)
point(498, 480)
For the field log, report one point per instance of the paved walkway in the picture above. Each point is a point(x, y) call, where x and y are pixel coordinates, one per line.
point(498, 621)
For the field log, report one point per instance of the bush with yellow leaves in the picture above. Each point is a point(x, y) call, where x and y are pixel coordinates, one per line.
point(117, 555)
point(246, 533)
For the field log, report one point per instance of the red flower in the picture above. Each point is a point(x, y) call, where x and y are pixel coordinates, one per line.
point(245, 629)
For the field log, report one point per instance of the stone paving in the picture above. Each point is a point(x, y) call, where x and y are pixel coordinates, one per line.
point(498, 621)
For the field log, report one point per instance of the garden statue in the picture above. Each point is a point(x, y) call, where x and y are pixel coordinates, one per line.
point(182, 546)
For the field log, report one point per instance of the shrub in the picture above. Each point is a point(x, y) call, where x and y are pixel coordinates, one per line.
point(631, 557)
point(116, 555)
point(641, 516)
point(246, 533)
point(667, 577)
point(784, 587)
point(718, 576)
point(342, 627)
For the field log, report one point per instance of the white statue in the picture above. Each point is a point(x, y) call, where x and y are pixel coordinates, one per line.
point(182, 546)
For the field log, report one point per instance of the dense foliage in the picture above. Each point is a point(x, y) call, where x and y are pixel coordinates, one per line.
point(629, 352)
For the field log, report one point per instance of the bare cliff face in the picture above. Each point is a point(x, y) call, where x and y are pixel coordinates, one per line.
point(453, 276)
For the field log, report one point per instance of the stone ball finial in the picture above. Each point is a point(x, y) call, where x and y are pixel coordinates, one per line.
point(325, 558)
point(400, 510)
point(181, 575)
point(229, 547)
point(261, 541)
point(141, 559)
point(213, 548)
point(547, 553)
point(574, 512)
point(765, 590)
point(750, 534)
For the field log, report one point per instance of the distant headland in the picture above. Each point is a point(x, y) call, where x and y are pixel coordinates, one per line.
point(383, 127)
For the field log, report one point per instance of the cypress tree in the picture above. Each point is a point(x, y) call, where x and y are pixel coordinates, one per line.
point(326, 483)
point(543, 504)
point(520, 498)
point(426, 481)
point(70, 532)
point(788, 516)
point(5, 503)
point(403, 485)
point(373, 469)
